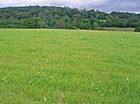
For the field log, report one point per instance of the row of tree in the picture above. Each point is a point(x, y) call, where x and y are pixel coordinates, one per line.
point(57, 17)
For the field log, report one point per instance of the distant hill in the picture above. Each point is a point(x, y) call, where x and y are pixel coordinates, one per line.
point(67, 18)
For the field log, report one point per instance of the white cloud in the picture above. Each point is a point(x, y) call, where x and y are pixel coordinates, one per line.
point(70, 3)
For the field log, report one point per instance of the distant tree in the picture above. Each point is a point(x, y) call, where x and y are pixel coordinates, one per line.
point(59, 25)
point(120, 23)
point(138, 24)
point(92, 19)
point(56, 17)
point(76, 16)
point(110, 20)
point(34, 22)
point(132, 21)
point(69, 26)
point(67, 19)
point(94, 26)
point(50, 17)
point(102, 23)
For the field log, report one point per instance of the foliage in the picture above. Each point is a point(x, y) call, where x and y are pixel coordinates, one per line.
point(95, 25)
point(59, 25)
point(58, 17)
point(100, 28)
point(137, 29)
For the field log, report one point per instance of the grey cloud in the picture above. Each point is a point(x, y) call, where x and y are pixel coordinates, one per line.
point(103, 5)
point(121, 5)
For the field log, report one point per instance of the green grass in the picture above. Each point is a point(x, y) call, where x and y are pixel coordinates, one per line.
point(132, 29)
point(87, 67)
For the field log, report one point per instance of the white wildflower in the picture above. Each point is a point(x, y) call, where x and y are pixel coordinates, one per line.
point(102, 94)
point(99, 81)
point(45, 99)
point(127, 78)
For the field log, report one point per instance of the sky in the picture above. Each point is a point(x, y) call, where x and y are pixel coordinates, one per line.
point(102, 5)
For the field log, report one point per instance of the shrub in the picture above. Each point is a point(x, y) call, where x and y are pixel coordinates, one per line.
point(137, 29)
point(69, 26)
point(59, 25)
point(100, 28)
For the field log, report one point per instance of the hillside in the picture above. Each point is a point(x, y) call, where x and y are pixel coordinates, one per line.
point(58, 17)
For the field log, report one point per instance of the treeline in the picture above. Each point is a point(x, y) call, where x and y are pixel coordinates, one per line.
point(65, 18)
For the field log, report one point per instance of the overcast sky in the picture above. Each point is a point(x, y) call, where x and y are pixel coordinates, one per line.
point(103, 5)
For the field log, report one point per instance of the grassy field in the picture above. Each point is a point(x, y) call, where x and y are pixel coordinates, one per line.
point(115, 28)
point(71, 67)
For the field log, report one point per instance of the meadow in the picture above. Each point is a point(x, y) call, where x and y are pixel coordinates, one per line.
point(69, 67)
point(119, 29)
